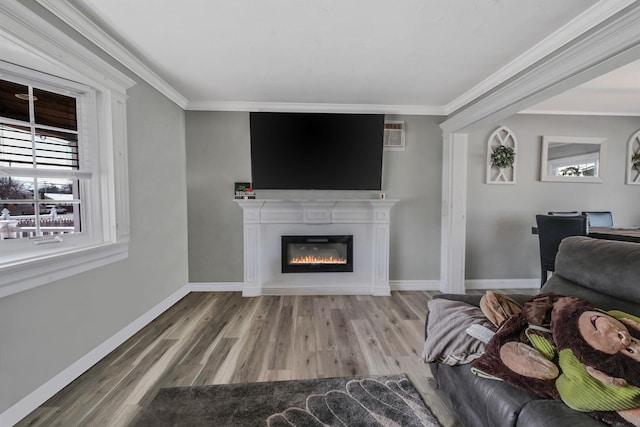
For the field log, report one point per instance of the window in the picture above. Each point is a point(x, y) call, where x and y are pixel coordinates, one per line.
point(63, 155)
point(41, 178)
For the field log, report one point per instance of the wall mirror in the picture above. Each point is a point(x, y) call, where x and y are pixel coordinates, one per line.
point(572, 159)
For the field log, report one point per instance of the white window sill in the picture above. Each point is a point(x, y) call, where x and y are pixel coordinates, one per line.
point(27, 274)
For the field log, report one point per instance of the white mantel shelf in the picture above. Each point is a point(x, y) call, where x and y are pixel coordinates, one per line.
point(266, 220)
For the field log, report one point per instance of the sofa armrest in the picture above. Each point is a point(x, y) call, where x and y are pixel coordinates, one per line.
point(473, 300)
point(469, 299)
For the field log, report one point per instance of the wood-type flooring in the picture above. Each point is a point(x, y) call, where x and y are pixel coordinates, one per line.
point(223, 338)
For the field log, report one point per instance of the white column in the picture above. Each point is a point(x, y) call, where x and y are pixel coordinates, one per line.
point(251, 240)
point(381, 220)
point(454, 212)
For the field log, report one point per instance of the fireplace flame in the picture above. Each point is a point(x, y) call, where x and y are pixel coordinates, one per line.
point(311, 259)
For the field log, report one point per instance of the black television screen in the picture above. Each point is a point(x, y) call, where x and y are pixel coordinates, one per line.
point(316, 151)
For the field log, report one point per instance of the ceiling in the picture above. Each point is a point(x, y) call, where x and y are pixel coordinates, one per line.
point(412, 56)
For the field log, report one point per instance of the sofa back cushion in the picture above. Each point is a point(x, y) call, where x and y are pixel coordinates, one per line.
point(606, 269)
point(562, 286)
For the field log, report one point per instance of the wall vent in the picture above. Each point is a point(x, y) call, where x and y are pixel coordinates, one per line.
point(393, 135)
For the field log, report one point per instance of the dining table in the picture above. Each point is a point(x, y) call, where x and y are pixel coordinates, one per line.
point(626, 234)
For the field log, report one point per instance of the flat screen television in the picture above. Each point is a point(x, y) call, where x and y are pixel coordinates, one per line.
point(316, 151)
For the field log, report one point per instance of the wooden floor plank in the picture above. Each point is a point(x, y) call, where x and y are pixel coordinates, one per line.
point(304, 305)
point(382, 321)
point(414, 301)
point(118, 398)
point(282, 335)
point(41, 417)
point(245, 314)
point(328, 364)
point(254, 356)
point(351, 359)
point(160, 328)
point(209, 327)
point(207, 373)
point(304, 356)
point(325, 339)
point(374, 356)
point(189, 308)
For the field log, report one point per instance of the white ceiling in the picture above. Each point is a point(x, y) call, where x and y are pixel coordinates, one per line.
point(615, 93)
point(428, 56)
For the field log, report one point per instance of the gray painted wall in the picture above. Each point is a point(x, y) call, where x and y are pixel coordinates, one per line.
point(46, 329)
point(218, 154)
point(414, 176)
point(499, 217)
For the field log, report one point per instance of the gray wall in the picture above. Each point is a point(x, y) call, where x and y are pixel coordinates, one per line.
point(218, 154)
point(46, 329)
point(499, 242)
point(414, 176)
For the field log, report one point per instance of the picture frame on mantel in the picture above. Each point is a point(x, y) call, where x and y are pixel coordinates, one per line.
point(502, 147)
point(243, 190)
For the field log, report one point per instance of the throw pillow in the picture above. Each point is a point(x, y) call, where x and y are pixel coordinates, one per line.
point(447, 342)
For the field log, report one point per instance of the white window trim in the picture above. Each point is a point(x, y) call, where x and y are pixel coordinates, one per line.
point(110, 243)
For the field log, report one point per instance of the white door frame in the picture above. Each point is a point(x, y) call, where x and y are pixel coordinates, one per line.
point(605, 47)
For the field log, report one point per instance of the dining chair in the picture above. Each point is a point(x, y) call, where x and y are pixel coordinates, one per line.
point(551, 230)
point(568, 213)
point(599, 218)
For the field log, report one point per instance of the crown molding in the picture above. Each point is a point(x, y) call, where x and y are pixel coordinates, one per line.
point(30, 31)
point(582, 113)
point(419, 110)
point(610, 45)
point(593, 16)
point(87, 28)
point(81, 23)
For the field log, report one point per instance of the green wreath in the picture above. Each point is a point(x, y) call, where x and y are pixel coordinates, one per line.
point(571, 171)
point(635, 160)
point(503, 156)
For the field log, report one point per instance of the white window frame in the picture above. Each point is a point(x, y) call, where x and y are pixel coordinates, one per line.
point(105, 236)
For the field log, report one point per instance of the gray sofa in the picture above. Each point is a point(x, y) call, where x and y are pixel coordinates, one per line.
point(604, 272)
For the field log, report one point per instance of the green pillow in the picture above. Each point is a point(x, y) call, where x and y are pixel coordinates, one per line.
point(582, 392)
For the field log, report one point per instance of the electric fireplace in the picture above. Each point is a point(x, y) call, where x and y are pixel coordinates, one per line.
point(317, 254)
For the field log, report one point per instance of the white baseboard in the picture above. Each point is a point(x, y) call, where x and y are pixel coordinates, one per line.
point(414, 285)
point(215, 286)
point(36, 398)
point(350, 289)
point(395, 285)
point(502, 284)
point(284, 290)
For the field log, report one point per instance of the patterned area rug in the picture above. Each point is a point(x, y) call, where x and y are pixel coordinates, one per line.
point(345, 402)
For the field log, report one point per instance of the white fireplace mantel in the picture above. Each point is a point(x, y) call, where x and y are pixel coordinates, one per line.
point(266, 220)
